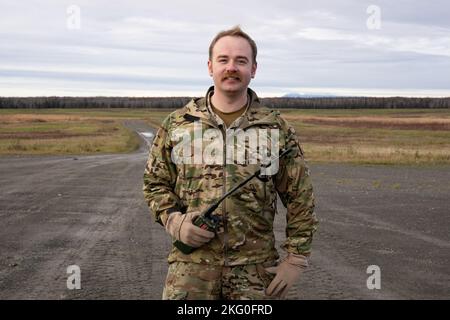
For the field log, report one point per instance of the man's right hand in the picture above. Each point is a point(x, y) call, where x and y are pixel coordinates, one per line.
point(180, 227)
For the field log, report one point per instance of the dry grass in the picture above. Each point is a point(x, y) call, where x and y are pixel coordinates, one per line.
point(27, 133)
point(376, 154)
point(422, 123)
point(418, 137)
point(38, 118)
point(370, 136)
point(375, 136)
point(100, 144)
point(157, 117)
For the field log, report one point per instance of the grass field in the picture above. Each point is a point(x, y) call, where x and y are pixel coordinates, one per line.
point(65, 132)
point(376, 136)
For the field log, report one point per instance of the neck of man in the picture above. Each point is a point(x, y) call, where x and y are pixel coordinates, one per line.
point(228, 103)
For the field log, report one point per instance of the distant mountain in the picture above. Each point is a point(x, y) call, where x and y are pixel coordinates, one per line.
point(308, 95)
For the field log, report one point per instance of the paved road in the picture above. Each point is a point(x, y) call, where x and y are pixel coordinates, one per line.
point(89, 211)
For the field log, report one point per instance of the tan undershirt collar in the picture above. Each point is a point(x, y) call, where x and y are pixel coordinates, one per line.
point(229, 117)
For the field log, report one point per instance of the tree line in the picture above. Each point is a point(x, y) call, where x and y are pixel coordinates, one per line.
point(178, 102)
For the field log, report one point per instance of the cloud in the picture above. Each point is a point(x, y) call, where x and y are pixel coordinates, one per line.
point(144, 47)
point(431, 42)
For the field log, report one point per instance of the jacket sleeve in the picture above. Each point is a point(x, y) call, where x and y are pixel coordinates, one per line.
point(294, 186)
point(160, 176)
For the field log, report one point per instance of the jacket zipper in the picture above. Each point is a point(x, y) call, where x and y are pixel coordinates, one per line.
point(224, 190)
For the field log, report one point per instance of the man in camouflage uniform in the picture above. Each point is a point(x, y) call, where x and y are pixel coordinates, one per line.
point(239, 260)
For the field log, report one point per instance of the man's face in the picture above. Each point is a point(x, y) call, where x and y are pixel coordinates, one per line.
point(232, 65)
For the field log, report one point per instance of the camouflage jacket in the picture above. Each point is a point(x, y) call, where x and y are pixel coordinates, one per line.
point(246, 234)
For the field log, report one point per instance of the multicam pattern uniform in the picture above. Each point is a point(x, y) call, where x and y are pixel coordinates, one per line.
point(190, 281)
point(246, 234)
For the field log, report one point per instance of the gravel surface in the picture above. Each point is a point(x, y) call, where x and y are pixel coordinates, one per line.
point(57, 211)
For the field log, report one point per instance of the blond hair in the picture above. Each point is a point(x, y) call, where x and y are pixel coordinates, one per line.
point(234, 32)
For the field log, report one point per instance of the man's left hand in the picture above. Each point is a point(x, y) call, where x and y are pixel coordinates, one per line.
point(287, 273)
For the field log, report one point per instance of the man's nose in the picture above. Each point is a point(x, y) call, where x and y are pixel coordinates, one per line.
point(231, 67)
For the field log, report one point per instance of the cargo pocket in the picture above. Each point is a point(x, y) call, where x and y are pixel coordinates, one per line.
point(172, 290)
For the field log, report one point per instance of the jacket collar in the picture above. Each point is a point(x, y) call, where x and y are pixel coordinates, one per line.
point(256, 113)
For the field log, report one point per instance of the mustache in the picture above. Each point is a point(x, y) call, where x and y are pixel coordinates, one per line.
point(229, 75)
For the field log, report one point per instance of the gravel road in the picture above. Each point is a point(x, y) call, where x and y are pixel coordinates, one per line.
point(89, 211)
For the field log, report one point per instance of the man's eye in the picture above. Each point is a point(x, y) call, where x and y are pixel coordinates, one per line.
point(222, 60)
point(242, 62)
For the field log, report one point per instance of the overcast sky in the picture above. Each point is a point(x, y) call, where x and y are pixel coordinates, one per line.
point(159, 48)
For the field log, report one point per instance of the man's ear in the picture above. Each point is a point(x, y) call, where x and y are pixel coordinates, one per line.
point(254, 66)
point(210, 68)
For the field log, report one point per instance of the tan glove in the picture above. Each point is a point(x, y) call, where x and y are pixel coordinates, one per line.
point(287, 273)
point(180, 227)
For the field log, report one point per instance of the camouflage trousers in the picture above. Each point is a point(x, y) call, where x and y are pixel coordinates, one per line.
point(192, 281)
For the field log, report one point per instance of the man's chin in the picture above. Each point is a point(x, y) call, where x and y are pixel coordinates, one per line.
point(233, 89)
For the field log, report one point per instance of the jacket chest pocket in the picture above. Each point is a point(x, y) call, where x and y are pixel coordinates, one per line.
point(199, 182)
